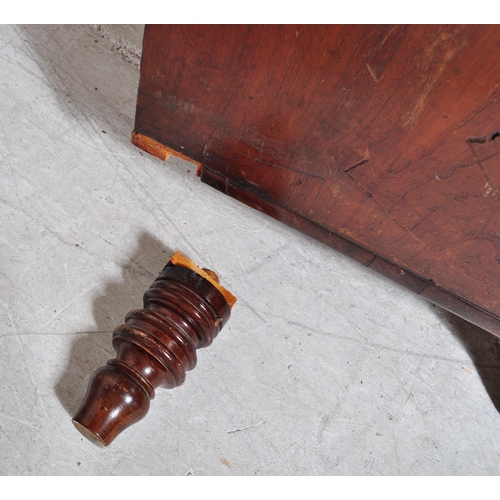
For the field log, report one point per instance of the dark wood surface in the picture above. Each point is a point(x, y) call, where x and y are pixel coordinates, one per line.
point(183, 311)
point(382, 142)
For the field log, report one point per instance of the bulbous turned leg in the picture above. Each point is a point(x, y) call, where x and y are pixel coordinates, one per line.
point(184, 310)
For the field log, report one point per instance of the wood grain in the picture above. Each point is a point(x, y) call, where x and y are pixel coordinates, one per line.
point(380, 141)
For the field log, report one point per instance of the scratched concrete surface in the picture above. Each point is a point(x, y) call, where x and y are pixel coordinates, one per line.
point(325, 368)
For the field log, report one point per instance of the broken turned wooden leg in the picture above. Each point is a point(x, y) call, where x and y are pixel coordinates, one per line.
point(184, 310)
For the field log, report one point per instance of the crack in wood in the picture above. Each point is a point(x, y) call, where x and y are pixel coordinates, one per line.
point(479, 139)
point(358, 164)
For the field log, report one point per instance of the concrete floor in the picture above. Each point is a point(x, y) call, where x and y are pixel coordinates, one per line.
point(325, 368)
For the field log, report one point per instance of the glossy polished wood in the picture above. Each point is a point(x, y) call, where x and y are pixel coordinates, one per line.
point(183, 311)
point(382, 142)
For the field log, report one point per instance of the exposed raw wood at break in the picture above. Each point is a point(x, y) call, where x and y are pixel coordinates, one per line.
point(157, 149)
point(380, 141)
point(178, 259)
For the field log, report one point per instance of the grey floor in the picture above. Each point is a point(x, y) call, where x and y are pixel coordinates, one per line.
point(325, 368)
